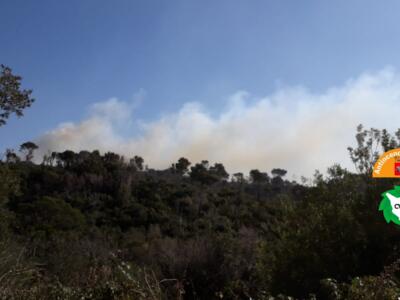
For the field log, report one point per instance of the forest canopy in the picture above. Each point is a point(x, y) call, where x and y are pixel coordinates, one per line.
point(192, 230)
point(91, 225)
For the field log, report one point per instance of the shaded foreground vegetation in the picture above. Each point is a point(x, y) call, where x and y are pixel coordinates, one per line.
point(91, 226)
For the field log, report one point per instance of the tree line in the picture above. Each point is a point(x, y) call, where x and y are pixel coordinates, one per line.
point(91, 225)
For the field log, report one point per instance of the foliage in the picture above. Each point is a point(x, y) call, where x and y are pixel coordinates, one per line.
point(13, 99)
point(88, 225)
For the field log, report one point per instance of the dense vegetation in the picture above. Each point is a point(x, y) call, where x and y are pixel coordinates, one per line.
point(92, 226)
point(98, 226)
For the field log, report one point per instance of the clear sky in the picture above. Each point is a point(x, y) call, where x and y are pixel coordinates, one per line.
point(78, 52)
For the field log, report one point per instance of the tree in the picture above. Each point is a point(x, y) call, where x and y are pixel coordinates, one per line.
point(369, 146)
point(9, 184)
point(278, 172)
point(208, 175)
point(67, 157)
point(238, 177)
point(218, 170)
point(199, 172)
point(52, 214)
point(277, 181)
point(137, 162)
point(11, 156)
point(258, 177)
point(182, 166)
point(112, 161)
point(27, 149)
point(13, 100)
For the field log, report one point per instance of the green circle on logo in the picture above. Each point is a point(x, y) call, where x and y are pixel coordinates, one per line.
point(390, 205)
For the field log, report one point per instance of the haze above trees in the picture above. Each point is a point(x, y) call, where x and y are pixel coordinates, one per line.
point(87, 225)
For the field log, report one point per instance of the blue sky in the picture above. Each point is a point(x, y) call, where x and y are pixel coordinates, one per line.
point(78, 52)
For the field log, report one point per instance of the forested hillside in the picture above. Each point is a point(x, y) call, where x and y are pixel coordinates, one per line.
point(89, 225)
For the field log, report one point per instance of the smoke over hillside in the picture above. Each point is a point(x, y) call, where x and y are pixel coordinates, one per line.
point(292, 128)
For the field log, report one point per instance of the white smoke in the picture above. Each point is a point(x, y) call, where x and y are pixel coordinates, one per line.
point(292, 128)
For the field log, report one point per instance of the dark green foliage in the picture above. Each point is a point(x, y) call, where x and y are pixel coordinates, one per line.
point(207, 175)
point(9, 183)
point(182, 166)
point(13, 100)
point(50, 214)
point(258, 177)
point(93, 226)
point(278, 172)
point(137, 163)
point(117, 208)
point(27, 149)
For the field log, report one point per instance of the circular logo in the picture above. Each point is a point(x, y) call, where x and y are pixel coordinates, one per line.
point(390, 205)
